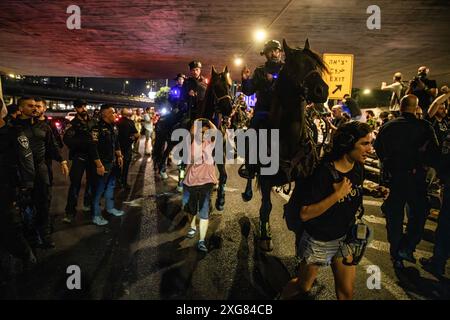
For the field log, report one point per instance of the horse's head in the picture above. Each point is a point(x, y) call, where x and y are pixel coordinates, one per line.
point(220, 86)
point(303, 68)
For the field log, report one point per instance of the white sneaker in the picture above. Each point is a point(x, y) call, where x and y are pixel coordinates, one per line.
point(116, 212)
point(100, 221)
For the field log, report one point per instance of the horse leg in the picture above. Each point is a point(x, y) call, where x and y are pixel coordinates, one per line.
point(265, 236)
point(247, 195)
point(220, 201)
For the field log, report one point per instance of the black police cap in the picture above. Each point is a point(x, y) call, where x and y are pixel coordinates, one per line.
point(180, 75)
point(195, 64)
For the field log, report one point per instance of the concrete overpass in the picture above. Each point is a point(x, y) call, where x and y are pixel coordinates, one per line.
point(156, 39)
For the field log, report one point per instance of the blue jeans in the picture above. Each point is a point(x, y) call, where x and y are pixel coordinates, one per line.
point(104, 184)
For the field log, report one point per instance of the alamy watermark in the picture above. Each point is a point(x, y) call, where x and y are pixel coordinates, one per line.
point(73, 282)
point(200, 149)
point(374, 280)
point(74, 20)
point(374, 20)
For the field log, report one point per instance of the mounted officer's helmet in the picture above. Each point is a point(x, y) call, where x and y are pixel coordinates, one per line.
point(195, 64)
point(271, 45)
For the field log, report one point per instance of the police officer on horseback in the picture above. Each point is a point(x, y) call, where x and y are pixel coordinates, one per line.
point(193, 90)
point(262, 83)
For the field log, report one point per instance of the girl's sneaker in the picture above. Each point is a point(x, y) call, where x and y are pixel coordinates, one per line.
point(191, 233)
point(201, 246)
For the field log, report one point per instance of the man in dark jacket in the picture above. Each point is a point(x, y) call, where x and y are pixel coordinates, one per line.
point(127, 136)
point(404, 146)
point(43, 145)
point(77, 137)
point(16, 179)
point(105, 151)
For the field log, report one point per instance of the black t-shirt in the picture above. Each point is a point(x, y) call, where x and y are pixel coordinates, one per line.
point(127, 130)
point(335, 222)
point(425, 98)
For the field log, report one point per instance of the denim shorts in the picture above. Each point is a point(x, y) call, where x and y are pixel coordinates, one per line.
point(321, 253)
point(202, 207)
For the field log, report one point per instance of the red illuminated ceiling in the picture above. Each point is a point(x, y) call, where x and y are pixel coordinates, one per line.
point(156, 39)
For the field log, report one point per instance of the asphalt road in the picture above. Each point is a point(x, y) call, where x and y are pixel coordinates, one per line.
point(145, 254)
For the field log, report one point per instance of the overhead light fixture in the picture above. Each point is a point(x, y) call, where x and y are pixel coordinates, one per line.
point(238, 61)
point(367, 91)
point(126, 82)
point(11, 75)
point(260, 35)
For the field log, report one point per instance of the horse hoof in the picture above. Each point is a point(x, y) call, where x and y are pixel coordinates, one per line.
point(266, 245)
point(247, 196)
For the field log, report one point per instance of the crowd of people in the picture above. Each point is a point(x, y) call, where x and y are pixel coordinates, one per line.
point(410, 139)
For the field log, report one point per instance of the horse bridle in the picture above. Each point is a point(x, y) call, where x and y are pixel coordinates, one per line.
point(217, 100)
point(301, 85)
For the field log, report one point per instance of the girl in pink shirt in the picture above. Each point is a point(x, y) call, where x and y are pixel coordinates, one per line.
point(199, 181)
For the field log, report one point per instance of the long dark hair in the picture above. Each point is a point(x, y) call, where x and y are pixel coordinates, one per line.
point(345, 138)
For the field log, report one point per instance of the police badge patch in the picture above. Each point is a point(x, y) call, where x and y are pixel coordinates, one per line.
point(23, 141)
point(94, 134)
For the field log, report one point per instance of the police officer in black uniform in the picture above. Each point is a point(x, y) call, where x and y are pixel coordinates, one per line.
point(41, 106)
point(42, 143)
point(107, 156)
point(193, 91)
point(405, 146)
point(175, 93)
point(77, 137)
point(16, 178)
point(262, 83)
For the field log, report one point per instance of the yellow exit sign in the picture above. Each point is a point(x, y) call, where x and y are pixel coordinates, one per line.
point(341, 74)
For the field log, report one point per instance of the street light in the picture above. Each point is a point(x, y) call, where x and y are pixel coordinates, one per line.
point(125, 83)
point(238, 61)
point(260, 35)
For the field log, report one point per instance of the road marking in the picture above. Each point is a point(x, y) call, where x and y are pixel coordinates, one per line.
point(384, 247)
point(374, 219)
